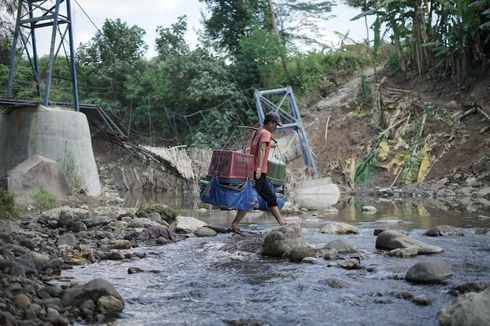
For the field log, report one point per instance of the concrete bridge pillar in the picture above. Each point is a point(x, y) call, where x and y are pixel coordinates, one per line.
point(58, 134)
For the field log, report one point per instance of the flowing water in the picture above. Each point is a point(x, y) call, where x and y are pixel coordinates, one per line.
point(225, 281)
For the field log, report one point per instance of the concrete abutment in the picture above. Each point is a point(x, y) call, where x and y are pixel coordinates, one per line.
point(58, 134)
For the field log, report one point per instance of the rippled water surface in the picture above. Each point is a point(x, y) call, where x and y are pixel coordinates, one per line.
point(224, 279)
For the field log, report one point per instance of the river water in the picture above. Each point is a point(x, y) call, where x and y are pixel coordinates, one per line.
point(225, 281)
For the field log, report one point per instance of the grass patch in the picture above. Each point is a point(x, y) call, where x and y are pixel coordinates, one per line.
point(70, 169)
point(45, 199)
point(8, 208)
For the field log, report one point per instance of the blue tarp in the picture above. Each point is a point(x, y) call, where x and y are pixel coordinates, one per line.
point(262, 204)
point(245, 199)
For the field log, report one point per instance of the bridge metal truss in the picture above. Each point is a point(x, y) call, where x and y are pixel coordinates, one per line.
point(35, 14)
point(287, 108)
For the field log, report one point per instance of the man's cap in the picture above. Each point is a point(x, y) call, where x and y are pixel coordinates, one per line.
point(274, 117)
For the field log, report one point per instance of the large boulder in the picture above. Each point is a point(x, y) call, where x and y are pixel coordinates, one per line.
point(167, 213)
point(157, 231)
point(468, 287)
point(429, 272)
point(339, 228)
point(37, 172)
point(390, 240)
point(17, 260)
point(404, 252)
point(141, 222)
point(205, 232)
point(339, 245)
point(444, 231)
point(281, 240)
point(63, 216)
point(186, 224)
point(96, 296)
point(468, 309)
point(297, 255)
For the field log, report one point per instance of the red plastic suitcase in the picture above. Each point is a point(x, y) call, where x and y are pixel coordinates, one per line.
point(231, 165)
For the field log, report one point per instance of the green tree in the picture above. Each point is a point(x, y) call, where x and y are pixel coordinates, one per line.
point(300, 20)
point(171, 41)
point(183, 84)
point(107, 61)
point(443, 36)
point(116, 41)
point(231, 20)
point(257, 58)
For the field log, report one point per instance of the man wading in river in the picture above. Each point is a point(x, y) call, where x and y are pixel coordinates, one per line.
point(260, 147)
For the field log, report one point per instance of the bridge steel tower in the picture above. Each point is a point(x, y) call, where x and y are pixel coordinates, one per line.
point(287, 108)
point(35, 14)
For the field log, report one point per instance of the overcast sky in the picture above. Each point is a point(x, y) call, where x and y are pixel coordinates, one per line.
point(148, 14)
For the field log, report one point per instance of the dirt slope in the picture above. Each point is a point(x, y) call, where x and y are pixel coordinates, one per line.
point(459, 146)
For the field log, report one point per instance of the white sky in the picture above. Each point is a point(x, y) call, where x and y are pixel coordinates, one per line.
point(148, 14)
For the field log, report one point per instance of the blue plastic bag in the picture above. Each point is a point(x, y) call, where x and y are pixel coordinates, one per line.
point(244, 199)
point(262, 204)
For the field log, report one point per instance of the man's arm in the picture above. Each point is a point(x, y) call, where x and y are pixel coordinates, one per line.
point(261, 155)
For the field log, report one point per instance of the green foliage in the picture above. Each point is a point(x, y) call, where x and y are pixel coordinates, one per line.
point(107, 61)
point(5, 45)
point(196, 96)
point(377, 38)
point(171, 41)
point(392, 65)
point(217, 129)
point(364, 167)
point(309, 70)
point(256, 59)
point(300, 20)
point(25, 87)
point(431, 114)
point(364, 92)
point(115, 42)
point(70, 169)
point(363, 101)
point(231, 20)
point(45, 199)
point(185, 84)
point(447, 37)
point(411, 168)
point(7, 205)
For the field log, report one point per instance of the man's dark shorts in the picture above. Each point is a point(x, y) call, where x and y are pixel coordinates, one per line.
point(263, 189)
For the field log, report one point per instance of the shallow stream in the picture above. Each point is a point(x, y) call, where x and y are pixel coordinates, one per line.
point(225, 281)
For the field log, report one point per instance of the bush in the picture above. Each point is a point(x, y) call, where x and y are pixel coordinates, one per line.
point(45, 199)
point(7, 204)
point(307, 71)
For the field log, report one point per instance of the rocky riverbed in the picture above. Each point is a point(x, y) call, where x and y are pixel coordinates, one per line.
point(38, 251)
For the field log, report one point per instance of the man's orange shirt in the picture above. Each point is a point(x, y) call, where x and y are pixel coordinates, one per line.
point(261, 136)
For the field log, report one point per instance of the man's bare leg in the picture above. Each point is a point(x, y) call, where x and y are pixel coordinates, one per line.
point(277, 214)
point(238, 218)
